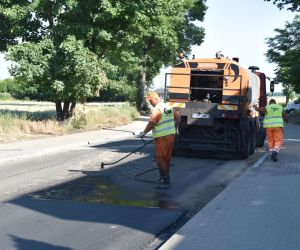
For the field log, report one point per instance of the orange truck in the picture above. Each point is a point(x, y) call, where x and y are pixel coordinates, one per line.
point(215, 97)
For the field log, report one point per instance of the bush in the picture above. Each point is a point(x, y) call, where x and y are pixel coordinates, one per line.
point(103, 116)
point(3, 85)
point(79, 119)
point(20, 91)
point(5, 96)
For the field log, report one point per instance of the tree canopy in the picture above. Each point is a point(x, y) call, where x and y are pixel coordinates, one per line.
point(68, 72)
point(293, 5)
point(284, 50)
point(131, 40)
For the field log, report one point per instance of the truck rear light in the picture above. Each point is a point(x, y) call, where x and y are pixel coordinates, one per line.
point(230, 115)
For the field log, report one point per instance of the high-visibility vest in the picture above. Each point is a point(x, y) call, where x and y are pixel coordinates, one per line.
point(166, 125)
point(273, 118)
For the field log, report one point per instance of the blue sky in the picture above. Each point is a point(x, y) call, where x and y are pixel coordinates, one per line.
point(236, 27)
point(239, 28)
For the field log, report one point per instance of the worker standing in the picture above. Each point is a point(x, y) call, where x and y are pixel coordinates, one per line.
point(273, 122)
point(162, 122)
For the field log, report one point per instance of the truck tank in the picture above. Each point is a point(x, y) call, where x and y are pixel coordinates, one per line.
point(215, 98)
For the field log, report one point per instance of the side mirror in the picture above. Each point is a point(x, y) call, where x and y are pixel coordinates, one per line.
point(272, 86)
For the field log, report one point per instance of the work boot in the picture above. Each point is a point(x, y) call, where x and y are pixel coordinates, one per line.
point(164, 183)
point(274, 155)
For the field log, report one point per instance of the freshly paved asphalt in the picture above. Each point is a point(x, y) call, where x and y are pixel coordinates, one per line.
point(35, 221)
point(259, 210)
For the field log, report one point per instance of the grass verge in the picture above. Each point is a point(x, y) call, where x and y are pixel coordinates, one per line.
point(26, 121)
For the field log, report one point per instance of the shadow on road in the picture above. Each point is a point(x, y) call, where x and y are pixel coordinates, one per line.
point(22, 244)
point(113, 197)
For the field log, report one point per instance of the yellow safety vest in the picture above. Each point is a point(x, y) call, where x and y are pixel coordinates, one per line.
point(273, 118)
point(166, 125)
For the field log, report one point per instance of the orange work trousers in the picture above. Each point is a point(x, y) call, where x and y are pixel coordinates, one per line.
point(275, 138)
point(163, 153)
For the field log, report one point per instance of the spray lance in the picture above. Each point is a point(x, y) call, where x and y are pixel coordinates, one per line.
point(136, 150)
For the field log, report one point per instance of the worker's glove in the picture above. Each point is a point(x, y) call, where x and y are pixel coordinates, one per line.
point(140, 134)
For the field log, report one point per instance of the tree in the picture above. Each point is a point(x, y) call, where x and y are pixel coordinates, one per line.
point(284, 50)
point(137, 36)
point(157, 32)
point(68, 73)
point(132, 39)
point(284, 78)
point(293, 5)
point(49, 61)
point(28, 21)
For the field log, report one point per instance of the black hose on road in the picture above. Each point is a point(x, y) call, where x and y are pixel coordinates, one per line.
point(135, 177)
point(138, 149)
point(144, 172)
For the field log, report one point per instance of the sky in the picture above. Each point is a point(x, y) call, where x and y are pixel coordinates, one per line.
point(235, 27)
point(238, 28)
point(3, 67)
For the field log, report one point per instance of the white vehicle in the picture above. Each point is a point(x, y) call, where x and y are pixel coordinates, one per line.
point(292, 106)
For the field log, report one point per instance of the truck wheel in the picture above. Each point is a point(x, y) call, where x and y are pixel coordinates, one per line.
point(176, 149)
point(246, 141)
point(261, 135)
point(253, 137)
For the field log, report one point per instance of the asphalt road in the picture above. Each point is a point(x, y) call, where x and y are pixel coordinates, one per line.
point(66, 201)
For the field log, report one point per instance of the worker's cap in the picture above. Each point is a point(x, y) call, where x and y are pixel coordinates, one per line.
point(152, 94)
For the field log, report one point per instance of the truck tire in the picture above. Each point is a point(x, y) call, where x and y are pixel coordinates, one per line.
point(253, 137)
point(246, 140)
point(261, 136)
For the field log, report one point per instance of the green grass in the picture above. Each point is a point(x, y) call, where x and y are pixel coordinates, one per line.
point(103, 116)
point(23, 120)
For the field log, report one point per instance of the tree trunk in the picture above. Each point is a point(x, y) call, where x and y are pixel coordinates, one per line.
point(140, 90)
point(72, 108)
point(141, 83)
point(49, 12)
point(287, 98)
point(59, 112)
point(66, 111)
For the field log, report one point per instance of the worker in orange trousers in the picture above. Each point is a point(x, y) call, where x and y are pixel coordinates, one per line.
point(163, 122)
point(273, 122)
